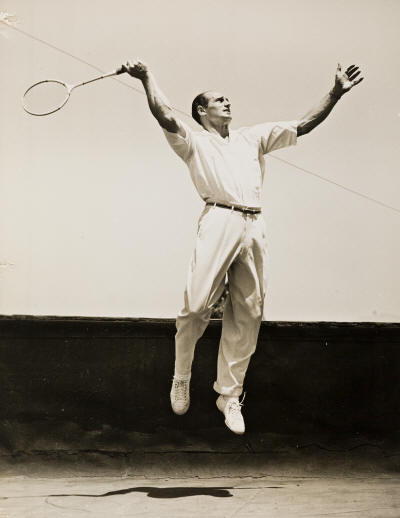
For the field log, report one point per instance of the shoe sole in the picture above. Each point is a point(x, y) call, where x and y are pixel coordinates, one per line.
point(181, 412)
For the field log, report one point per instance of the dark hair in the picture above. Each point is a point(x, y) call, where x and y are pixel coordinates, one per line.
point(200, 100)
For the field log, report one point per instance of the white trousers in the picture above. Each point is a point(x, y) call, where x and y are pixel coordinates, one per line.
point(233, 243)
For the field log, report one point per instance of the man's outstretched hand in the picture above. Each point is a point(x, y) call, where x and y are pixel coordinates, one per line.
point(344, 81)
point(136, 69)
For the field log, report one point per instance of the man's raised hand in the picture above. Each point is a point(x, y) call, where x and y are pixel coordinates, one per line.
point(136, 69)
point(344, 81)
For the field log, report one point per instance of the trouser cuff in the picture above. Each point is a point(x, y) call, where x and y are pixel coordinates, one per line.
point(228, 391)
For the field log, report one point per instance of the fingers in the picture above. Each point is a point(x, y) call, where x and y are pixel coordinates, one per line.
point(350, 68)
point(352, 72)
point(131, 67)
point(131, 64)
point(353, 75)
point(357, 81)
point(136, 65)
point(136, 68)
point(135, 62)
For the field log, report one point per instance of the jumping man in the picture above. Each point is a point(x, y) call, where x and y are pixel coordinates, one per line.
point(227, 169)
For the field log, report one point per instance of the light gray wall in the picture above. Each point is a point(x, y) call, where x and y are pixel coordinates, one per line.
point(98, 216)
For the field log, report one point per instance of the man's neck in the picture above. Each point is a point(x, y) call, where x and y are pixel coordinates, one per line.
point(221, 129)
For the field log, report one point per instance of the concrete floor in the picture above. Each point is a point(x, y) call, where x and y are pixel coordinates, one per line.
point(346, 478)
point(219, 497)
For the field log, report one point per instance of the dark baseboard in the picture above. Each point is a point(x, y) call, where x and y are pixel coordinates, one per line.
point(108, 379)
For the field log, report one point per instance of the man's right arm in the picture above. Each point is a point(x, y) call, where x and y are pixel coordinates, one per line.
point(158, 103)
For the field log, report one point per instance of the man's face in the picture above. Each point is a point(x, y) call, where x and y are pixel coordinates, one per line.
point(218, 108)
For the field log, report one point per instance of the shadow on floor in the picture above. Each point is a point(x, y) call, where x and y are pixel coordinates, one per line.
point(164, 492)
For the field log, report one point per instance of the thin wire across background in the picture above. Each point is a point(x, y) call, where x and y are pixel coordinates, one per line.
point(302, 169)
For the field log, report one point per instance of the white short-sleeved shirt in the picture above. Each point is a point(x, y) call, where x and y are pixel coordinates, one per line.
point(231, 170)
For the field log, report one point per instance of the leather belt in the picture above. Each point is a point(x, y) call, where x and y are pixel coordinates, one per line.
point(244, 210)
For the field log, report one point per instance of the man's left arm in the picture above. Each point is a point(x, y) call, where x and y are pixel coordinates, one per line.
point(344, 81)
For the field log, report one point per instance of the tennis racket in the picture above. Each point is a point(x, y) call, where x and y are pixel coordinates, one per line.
point(50, 95)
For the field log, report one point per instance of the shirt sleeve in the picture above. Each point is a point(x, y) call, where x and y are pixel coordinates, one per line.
point(275, 135)
point(183, 146)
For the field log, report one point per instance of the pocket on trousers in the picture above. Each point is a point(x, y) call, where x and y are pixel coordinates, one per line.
point(202, 220)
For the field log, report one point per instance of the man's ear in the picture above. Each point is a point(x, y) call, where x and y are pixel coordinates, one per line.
point(201, 110)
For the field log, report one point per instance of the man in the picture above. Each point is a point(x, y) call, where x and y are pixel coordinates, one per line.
point(227, 168)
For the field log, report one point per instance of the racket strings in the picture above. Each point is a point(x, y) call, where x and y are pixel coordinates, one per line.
point(45, 97)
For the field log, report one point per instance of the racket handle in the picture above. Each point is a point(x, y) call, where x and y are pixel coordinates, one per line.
point(120, 70)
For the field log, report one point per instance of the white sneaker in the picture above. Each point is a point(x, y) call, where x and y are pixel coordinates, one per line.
point(231, 408)
point(180, 395)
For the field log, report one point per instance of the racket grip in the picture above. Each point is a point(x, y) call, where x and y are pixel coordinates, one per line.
point(120, 70)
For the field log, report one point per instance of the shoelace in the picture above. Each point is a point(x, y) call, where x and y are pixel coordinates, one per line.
point(180, 390)
point(235, 406)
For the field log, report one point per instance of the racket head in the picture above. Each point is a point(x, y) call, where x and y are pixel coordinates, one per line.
point(45, 97)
